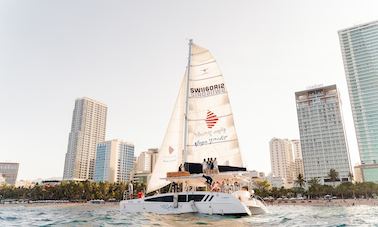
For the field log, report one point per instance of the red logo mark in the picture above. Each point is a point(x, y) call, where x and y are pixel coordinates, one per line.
point(211, 119)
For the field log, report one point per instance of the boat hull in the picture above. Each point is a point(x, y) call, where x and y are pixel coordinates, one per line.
point(210, 203)
point(256, 206)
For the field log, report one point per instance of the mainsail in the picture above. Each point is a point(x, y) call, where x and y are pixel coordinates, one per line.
point(211, 131)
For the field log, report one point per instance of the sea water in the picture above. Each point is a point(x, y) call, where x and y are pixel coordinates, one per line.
point(110, 215)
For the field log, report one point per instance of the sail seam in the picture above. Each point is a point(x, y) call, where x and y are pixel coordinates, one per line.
point(206, 78)
point(200, 52)
point(203, 63)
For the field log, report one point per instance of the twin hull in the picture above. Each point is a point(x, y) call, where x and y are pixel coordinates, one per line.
point(187, 202)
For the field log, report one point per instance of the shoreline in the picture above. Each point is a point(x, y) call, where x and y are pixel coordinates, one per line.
point(333, 202)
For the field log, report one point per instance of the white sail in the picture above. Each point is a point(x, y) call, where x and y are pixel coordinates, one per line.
point(170, 152)
point(211, 130)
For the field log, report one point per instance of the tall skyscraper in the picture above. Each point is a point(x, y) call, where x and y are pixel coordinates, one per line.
point(298, 160)
point(323, 141)
point(8, 172)
point(281, 158)
point(87, 129)
point(114, 161)
point(359, 47)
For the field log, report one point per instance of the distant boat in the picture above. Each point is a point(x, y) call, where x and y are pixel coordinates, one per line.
point(201, 127)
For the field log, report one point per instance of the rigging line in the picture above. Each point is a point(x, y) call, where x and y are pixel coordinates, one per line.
point(204, 63)
point(203, 119)
point(206, 78)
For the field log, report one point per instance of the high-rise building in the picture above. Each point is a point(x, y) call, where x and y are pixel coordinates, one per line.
point(146, 160)
point(143, 162)
point(281, 158)
point(87, 129)
point(114, 161)
point(359, 47)
point(298, 160)
point(323, 141)
point(8, 172)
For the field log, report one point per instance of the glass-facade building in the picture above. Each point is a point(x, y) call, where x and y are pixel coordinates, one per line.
point(359, 47)
point(114, 161)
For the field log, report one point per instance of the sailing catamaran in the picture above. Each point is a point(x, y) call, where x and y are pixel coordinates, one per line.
point(201, 126)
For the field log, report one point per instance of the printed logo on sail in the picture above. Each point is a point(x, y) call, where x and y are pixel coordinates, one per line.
point(215, 89)
point(170, 150)
point(211, 119)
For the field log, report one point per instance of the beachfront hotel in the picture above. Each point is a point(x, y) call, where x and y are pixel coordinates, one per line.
point(322, 135)
point(114, 161)
point(359, 47)
point(8, 173)
point(87, 129)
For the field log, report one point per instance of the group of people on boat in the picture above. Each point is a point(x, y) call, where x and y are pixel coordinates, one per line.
point(130, 189)
point(210, 166)
point(225, 186)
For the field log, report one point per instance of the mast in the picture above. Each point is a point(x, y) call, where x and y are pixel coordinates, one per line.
point(185, 154)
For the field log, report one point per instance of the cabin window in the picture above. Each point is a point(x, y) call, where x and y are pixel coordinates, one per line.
point(195, 198)
point(160, 199)
point(211, 198)
point(182, 198)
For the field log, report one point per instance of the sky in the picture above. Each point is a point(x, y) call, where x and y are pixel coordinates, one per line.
point(132, 56)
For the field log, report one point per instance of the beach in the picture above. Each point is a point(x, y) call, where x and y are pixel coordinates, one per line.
point(323, 202)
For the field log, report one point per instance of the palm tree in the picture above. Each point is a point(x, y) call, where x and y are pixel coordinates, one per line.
point(333, 175)
point(300, 181)
point(314, 188)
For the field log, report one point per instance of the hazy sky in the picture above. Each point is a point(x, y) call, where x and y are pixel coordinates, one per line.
point(132, 56)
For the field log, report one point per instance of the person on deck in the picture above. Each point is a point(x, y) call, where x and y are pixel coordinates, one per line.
point(180, 168)
point(131, 190)
point(209, 180)
point(204, 166)
point(208, 166)
point(215, 187)
point(215, 164)
point(140, 195)
point(211, 166)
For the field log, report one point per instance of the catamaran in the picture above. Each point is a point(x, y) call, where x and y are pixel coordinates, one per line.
point(201, 127)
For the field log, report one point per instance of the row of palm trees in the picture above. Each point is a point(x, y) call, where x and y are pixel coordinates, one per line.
point(314, 189)
point(69, 190)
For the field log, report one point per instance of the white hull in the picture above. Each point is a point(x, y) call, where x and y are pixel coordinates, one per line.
point(190, 202)
point(256, 206)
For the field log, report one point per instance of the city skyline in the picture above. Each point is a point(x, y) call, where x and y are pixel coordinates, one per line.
point(132, 58)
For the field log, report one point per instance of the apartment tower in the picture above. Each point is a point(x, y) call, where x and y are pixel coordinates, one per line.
point(87, 129)
point(281, 158)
